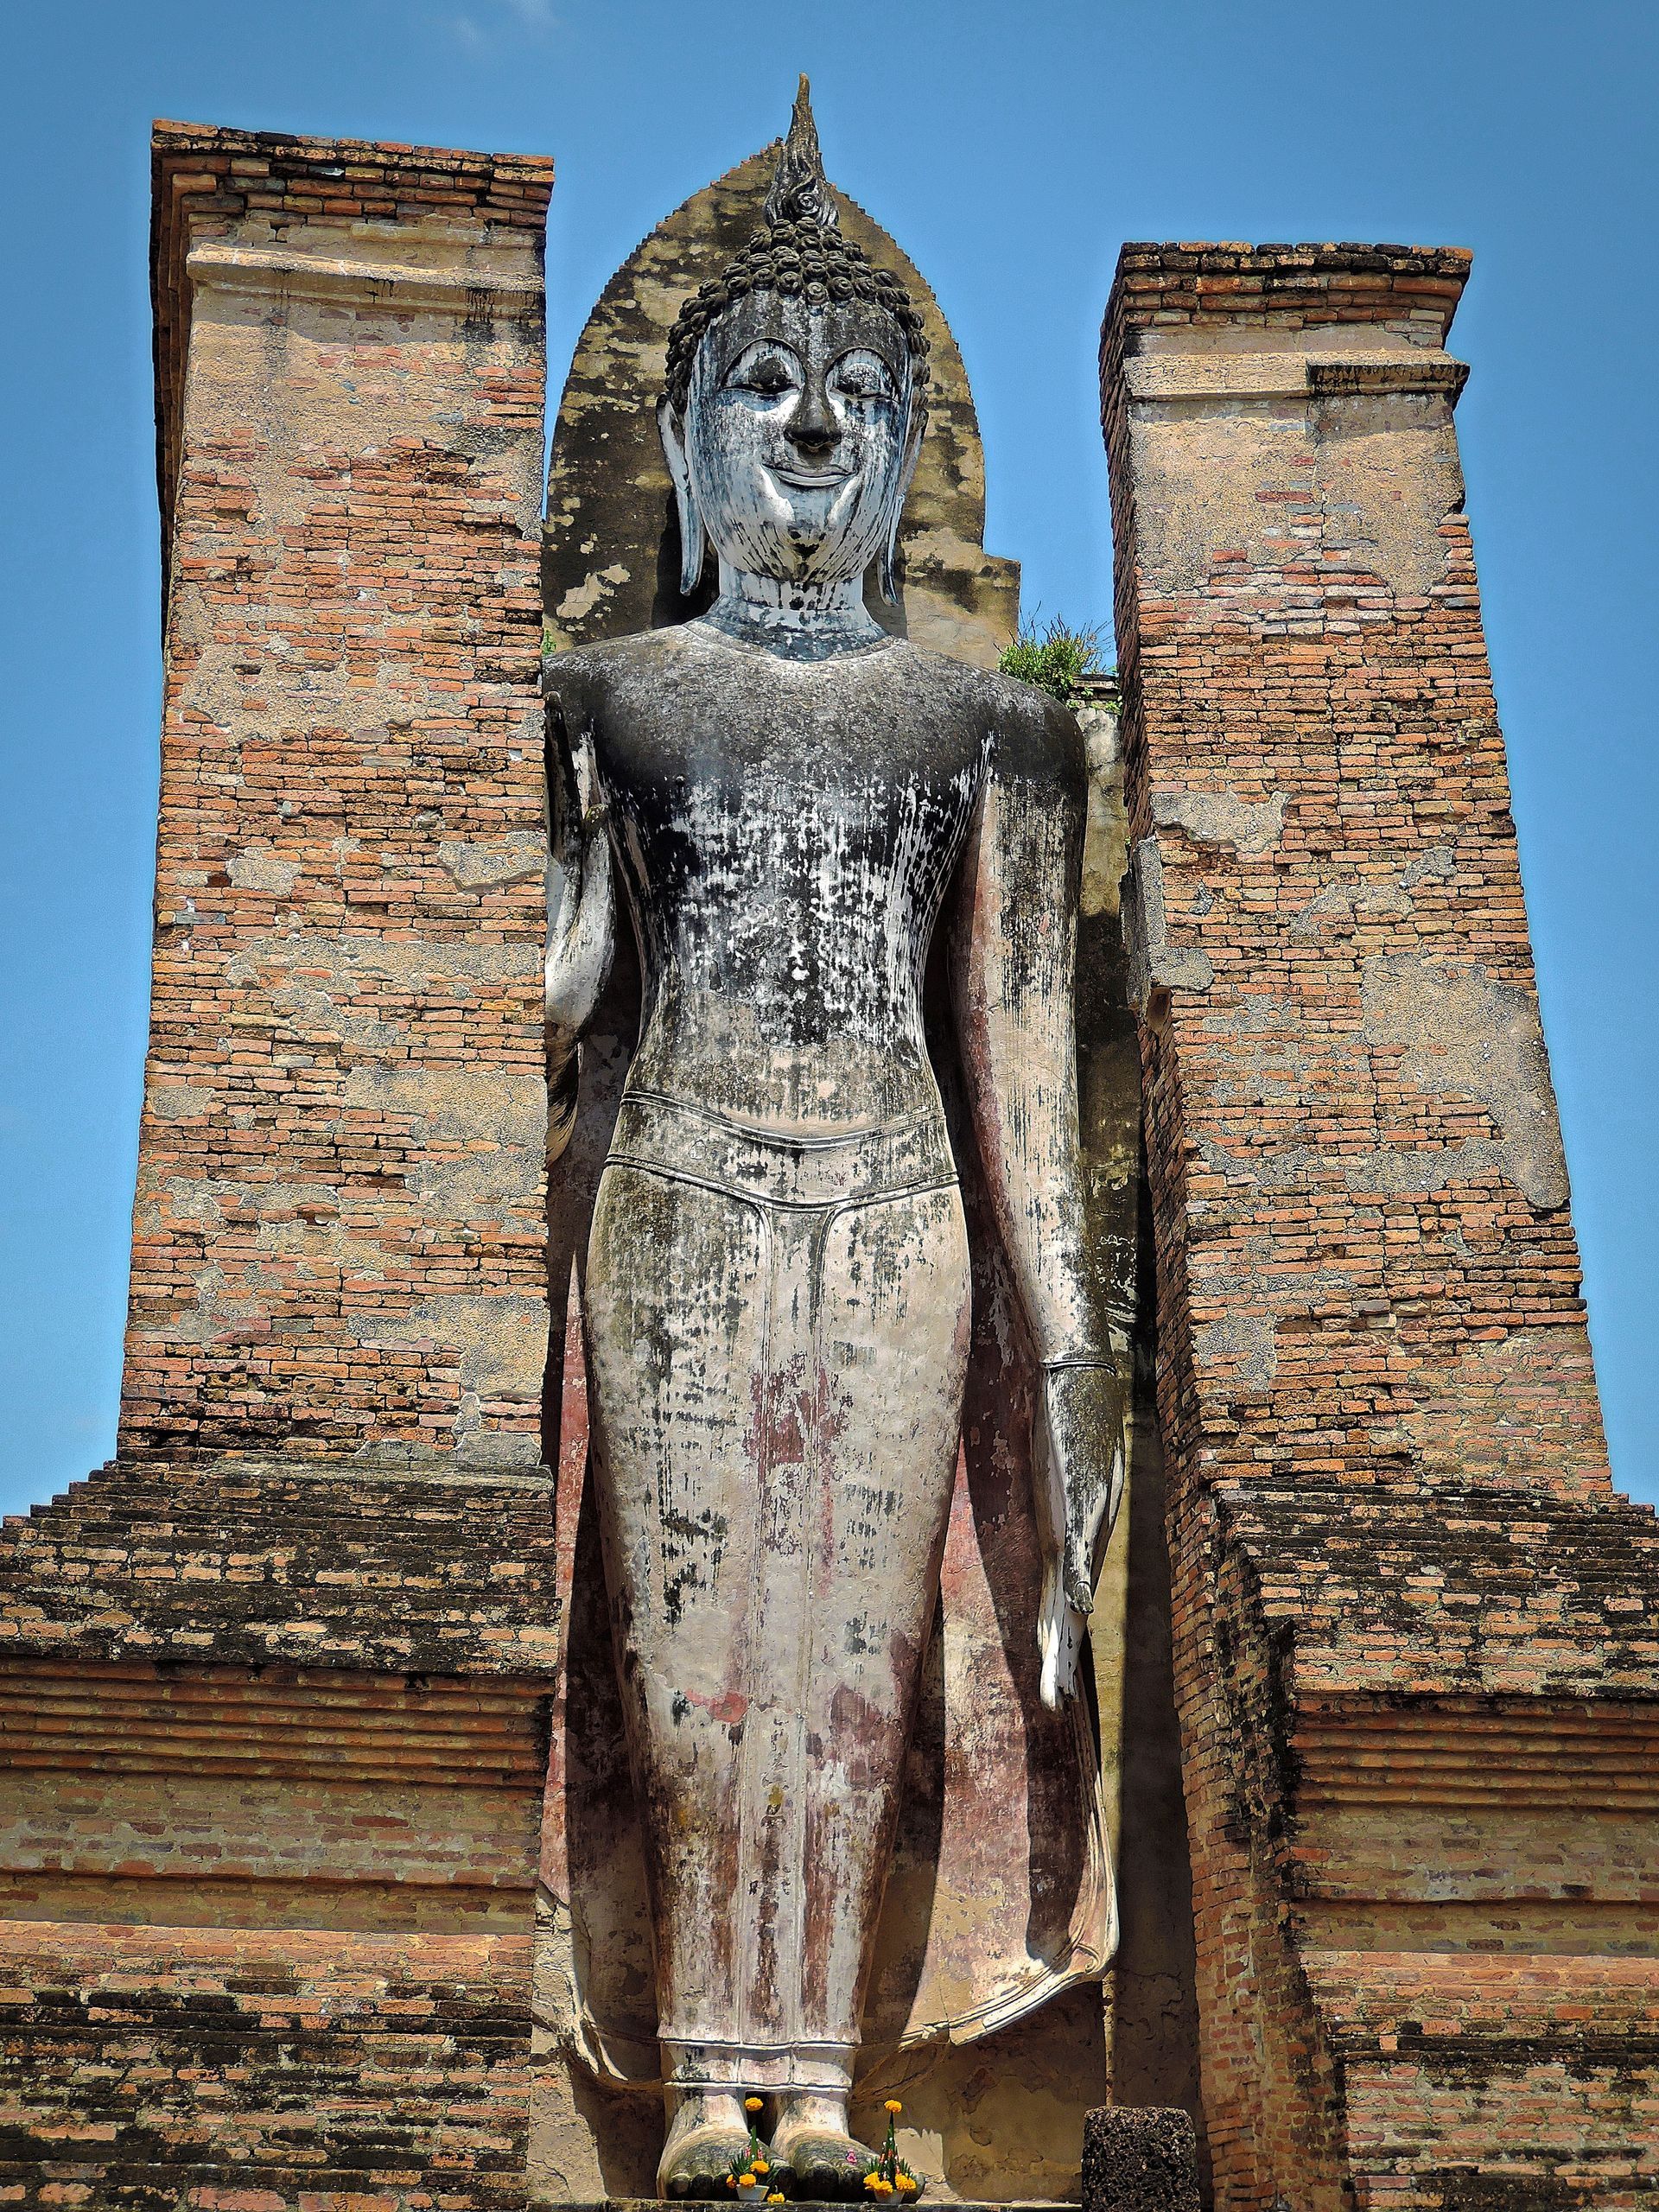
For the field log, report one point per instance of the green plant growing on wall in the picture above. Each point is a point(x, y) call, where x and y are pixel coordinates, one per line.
point(1055, 658)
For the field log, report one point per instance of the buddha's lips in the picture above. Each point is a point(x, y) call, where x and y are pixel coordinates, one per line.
point(819, 483)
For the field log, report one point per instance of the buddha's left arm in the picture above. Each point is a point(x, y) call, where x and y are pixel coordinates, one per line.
point(1014, 973)
point(581, 905)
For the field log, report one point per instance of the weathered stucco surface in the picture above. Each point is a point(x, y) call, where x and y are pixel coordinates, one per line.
point(339, 1218)
point(274, 1689)
point(1412, 1623)
point(1239, 446)
point(1003, 2118)
point(778, 1299)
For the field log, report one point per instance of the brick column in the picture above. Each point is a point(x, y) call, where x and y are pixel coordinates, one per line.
point(1385, 1451)
point(338, 1241)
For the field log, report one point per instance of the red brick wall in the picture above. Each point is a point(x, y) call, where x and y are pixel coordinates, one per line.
point(1361, 1197)
point(213, 1797)
point(1368, 1281)
point(338, 1237)
point(264, 2070)
point(1504, 2085)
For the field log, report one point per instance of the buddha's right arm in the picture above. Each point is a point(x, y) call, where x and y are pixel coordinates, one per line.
point(1015, 977)
point(581, 913)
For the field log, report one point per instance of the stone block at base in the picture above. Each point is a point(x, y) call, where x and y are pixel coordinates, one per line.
point(1140, 2159)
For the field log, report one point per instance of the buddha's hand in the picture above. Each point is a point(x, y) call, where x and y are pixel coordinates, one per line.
point(1078, 1473)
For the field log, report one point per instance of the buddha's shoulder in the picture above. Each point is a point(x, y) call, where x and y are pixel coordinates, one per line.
point(1029, 731)
point(610, 660)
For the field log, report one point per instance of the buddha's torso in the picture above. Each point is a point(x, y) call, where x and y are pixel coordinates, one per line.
point(786, 832)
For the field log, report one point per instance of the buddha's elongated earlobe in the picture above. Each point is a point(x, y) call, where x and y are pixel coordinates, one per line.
point(887, 573)
point(672, 432)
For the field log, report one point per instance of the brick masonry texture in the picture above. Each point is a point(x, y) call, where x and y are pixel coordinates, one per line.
point(240, 1562)
point(274, 1748)
point(268, 2071)
point(1416, 1669)
point(274, 1687)
point(338, 1233)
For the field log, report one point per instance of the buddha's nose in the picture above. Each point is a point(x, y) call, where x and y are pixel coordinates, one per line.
point(812, 428)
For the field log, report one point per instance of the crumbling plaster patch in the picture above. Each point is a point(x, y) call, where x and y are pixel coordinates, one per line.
point(1374, 474)
point(1155, 966)
point(473, 1105)
point(176, 1101)
point(271, 383)
point(1212, 481)
point(215, 1313)
point(1250, 826)
point(262, 871)
point(500, 1345)
point(413, 963)
point(517, 857)
point(1446, 1035)
point(1470, 1034)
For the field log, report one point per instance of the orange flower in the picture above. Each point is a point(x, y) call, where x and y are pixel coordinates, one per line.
point(761, 2166)
point(751, 2104)
point(894, 2105)
point(906, 2184)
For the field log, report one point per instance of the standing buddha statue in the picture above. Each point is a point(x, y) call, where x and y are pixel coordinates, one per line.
point(777, 1297)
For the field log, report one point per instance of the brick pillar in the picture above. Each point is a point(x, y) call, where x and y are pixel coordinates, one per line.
point(1388, 1493)
point(338, 1240)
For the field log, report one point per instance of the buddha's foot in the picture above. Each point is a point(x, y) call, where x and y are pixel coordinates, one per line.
point(824, 2160)
point(706, 2136)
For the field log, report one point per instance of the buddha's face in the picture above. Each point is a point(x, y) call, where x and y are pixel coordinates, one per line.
point(797, 437)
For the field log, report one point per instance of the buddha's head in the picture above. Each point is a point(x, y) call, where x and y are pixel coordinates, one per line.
point(797, 395)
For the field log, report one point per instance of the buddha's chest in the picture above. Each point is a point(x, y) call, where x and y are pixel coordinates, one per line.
point(793, 800)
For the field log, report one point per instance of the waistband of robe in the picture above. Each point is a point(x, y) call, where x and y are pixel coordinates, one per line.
point(888, 1160)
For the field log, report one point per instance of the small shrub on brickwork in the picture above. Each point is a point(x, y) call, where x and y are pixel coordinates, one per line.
point(1055, 658)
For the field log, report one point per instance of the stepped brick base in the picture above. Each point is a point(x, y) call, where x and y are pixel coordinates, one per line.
point(1526, 2084)
point(264, 2070)
point(274, 1748)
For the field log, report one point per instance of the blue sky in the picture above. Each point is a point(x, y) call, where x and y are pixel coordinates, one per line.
point(1011, 148)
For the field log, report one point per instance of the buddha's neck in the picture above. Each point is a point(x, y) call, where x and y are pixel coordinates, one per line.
point(811, 621)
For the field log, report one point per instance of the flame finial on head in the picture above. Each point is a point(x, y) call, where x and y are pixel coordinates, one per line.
point(800, 191)
point(799, 251)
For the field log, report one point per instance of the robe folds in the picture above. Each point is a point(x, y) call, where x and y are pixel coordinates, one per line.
point(1000, 1891)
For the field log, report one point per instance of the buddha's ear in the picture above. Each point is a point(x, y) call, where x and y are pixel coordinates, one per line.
point(887, 575)
point(671, 428)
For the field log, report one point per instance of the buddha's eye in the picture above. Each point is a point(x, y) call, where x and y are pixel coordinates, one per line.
point(767, 370)
point(863, 375)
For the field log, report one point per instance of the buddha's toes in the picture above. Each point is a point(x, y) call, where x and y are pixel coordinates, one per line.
point(825, 2165)
point(701, 2164)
